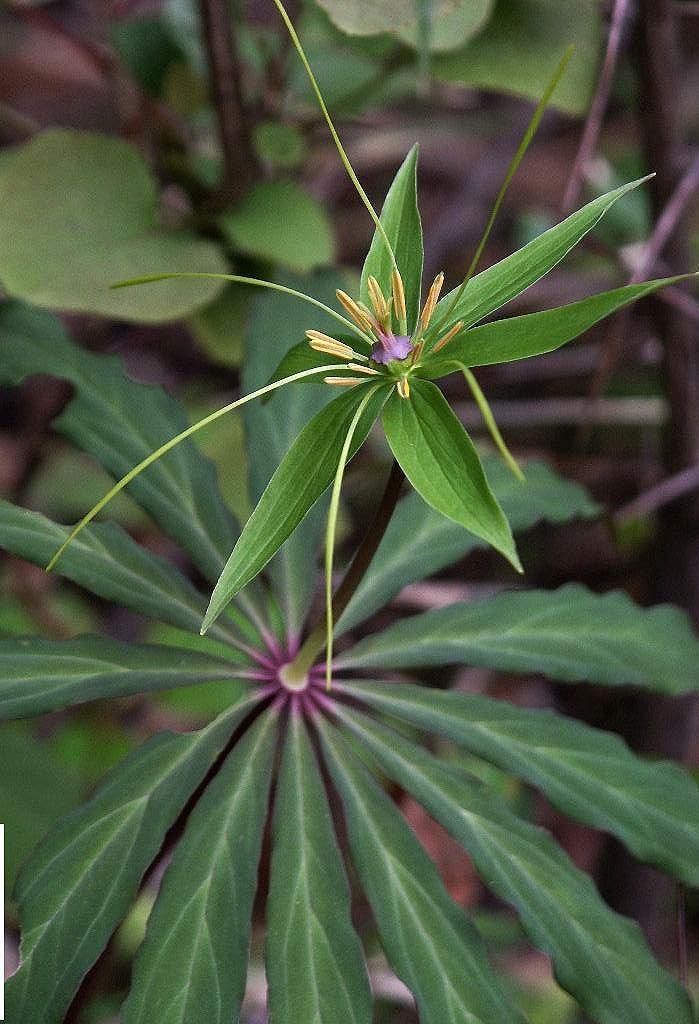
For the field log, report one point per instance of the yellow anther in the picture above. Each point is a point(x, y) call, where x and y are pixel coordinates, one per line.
point(361, 316)
point(370, 372)
point(403, 387)
point(378, 300)
point(398, 296)
point(344, 382)
point(330, 346)
point(431, 301)
point(451, 333)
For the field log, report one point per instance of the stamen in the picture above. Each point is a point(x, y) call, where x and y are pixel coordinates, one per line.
point(363, 369)
point(361, 316)
point(344, 382)
point(431, 301)
point(451, 333)
point(330, 346)
point(403, 387)
point(378, 301)
point(398, 296)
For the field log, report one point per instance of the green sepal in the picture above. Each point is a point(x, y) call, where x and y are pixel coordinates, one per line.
point(505, 280)
point(304, 474)
point(400, 218)
point(439, 459)
point(533, 334)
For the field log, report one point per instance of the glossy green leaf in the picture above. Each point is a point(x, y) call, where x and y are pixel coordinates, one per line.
point(305, 473)
point(520, 45)
point(568, 634)
point(120, 422)
point(439, 459)
point(430, 942)
point(315, 964)
point(106, 561)
point(599, 957)
point(492, 288)
point(63, 247)
point(38, 675)
point(400, 218)
point(192, 966)
point(420, 541)
point(590, 775)
point(278, 221)
point(521, 337)
point(78, 885)
point(276, 325)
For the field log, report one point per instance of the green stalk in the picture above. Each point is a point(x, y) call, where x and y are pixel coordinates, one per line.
point(330, 535)
point(511, 171)
point(316, 640)
point(256, 283)
point(335, 137)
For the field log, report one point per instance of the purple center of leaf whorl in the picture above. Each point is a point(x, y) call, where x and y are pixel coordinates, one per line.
point(390, 347)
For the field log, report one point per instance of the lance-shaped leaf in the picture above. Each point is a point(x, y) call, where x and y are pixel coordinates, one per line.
point(121, 422)
point(505, 280)
point(520, 337)
point(439, 459)
point(400, 218)
point(38, 675)
point(430, 942)
point(568, 634)
point(652, 807)
point(315, 965)
point(420, 541)
point(79, 883)
point(106, 561)
point(192, 966)
point(598, 956)
point(303, 475)
point(276, 323)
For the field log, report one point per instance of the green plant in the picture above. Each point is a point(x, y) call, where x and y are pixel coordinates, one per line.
point(215, 784)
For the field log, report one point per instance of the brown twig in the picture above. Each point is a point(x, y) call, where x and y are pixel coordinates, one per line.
point(225, 76)
point(598, 107)
point(664, 229)
point(669, 489)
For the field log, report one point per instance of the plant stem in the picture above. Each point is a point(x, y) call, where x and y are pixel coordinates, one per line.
point(239, 162)
point(315, 641)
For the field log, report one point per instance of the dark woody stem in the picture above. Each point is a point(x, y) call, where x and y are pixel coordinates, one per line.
point(314, 644)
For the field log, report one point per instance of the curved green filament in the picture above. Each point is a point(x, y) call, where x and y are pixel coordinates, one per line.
point(489, 420)
point(511, 171)
point(173, 442)
point(330, 535)
point(336, 138)
point(256, 283)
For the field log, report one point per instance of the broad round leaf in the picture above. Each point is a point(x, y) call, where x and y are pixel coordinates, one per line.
point(80, 213)
point(520, 46)
point(280, 222)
